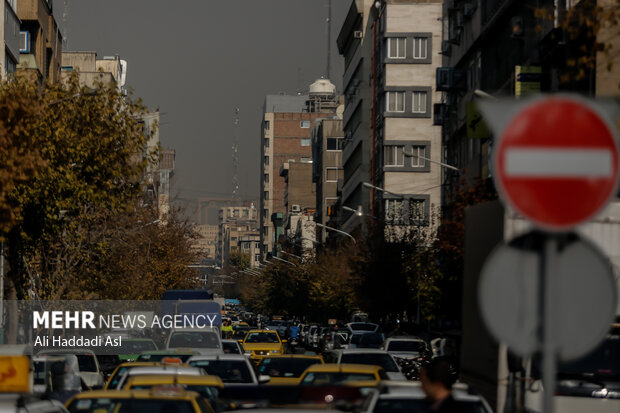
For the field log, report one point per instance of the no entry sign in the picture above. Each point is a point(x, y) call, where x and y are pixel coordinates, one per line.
point(556, 162)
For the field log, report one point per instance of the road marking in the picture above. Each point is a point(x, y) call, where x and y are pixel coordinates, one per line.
point(558, 163)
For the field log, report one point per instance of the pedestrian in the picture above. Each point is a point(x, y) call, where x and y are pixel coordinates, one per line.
point(437, 383)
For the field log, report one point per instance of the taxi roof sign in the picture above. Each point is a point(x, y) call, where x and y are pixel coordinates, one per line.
point(14, 374)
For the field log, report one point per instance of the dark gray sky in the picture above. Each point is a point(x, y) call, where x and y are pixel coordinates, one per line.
point(199, 59)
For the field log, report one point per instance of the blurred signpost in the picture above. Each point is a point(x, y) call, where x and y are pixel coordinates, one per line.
point(549, 291)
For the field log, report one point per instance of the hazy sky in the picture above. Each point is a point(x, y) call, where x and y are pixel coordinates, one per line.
point(197, 60)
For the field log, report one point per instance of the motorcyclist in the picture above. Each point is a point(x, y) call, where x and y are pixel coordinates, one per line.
point(293, 337)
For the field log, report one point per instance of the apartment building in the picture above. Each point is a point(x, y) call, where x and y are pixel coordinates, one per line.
point(234, 222)
point(391, 50)
point(109, 70)
point(40, 40)
point(10, 38)
point(285, 137)
point(207, 242)
point(327, 170)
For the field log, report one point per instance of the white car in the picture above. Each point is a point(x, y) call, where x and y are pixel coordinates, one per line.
point(375, 357)
point(153, 370)
point(406, 347)
point(409, 397)
point(233, 369)
point(205, 340)
point(87, 365)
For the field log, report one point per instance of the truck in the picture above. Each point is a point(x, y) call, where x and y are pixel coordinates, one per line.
point(509, 383)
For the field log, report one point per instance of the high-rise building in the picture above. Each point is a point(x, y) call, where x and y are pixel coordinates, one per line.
point(391, 50)
point(40, 39)
point(285, 138)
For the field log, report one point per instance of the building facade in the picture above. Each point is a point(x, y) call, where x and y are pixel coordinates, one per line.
point(285, 137)
point(207, 243)
point(327, 170)
point(10, 38)
point(391, 50)
point(40, 40)
point(234, 222)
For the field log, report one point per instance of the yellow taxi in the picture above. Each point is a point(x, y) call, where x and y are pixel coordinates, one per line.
point(165, 399)
point(330, 374)
point(261, 343)
point(208, 387)
point(286, 369)
point(122, 368)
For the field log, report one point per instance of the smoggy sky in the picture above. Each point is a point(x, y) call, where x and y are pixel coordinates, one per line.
point(197, 60)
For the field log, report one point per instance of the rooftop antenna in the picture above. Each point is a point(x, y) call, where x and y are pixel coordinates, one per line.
point(235, 157)
point(329, 36)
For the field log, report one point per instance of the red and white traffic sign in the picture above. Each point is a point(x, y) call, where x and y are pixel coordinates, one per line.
point(556, 162)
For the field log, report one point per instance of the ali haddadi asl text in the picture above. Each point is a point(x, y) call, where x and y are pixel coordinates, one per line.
point(73, 342)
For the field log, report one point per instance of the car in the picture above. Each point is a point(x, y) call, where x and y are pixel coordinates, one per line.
point(287, 369)
point(206, 340)
point(168, 369)
point(131, 348)
point(232, 347)
point(182, 354)
point(240, 330)
point(407, 348)
point(233, 369)
point(208, 387)
point(122, 368)
point(370, 356)
point(107, 364)
point(278, 325)
point(403, 397)
point(363, 327)
point(87, 365)
point(260, 343)
point(166, 399)
point(338, 374)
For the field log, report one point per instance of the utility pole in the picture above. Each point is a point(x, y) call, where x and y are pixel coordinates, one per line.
point(235, 157)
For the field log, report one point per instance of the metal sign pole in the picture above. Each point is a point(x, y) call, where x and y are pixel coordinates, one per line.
point(549, 350)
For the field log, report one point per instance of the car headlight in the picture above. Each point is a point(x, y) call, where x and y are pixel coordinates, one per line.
point(247, 353)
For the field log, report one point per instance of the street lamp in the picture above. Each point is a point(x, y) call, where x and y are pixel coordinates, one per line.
point(286, 261)
point(369, 185)
point(357, 211)
point(336, 230)
point(445, 165)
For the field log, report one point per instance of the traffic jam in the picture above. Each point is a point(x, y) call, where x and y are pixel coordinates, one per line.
point(243, 361)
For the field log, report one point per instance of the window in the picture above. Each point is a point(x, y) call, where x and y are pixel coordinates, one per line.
point(304, 124)
point(266, 195)
point(405, 211)
point(266, 160)
point(266, 213)
point(393, 155)
point(394, 211)
point(420, 47)
point(334, 144)
point(395, 101)
point(257, 257)
point(332, 174)
point(266, 124)
point(266, 177)
point(397, 47)
point(305, 142)
point(419, 102)
point(266, 142)
point(416, 161)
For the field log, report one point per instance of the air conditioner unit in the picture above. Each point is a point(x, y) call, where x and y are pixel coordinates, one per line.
point(449, 79)
point(295, 208)
point(358, 34)
point(446, 48)
point(24, 42)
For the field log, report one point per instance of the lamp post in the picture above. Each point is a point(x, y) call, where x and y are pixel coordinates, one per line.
point(369, 185)
point(337, 230)
point(445, 165)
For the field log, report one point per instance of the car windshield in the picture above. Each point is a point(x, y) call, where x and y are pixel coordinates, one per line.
point(320, 379)
point(137, 346)
point(262, 338)
point(120, 405)
point(285, 367)
point(374, 359)
point(160, 357)
point(363, 326)
point(199, 339)
point(86, 362)
point(230, 371)
point(406, 345)
point(231, 348)
point(209, 392)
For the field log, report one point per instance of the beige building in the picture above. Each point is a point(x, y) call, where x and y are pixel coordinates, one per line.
point(40, 40)
point(249, 244)
point(390, 138)
point(109, 70)
point(234, 223)
point(208, 241)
